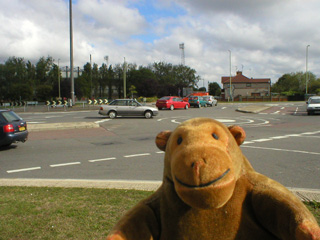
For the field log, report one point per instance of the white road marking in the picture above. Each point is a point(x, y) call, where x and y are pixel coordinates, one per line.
point(101, 121)
point(24, 170)
point(283, 150)
point(262, 140)
point(65, 164)
point(137, 155)
point(101, 159)
point(247, 142)
point(279, 137)
point(160, 152)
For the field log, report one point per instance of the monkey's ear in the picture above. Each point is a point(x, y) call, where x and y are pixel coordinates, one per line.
point(238, 133)
point(162, 139)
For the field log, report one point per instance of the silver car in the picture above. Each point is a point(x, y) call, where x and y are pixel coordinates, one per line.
point(210, 100)
point(127, 107)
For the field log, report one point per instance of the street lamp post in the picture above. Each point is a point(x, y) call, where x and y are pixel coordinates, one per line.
point(230, 90)
point(124, 78)
point(90, 77)
point(71, 54)
point(59, 79)
point(307, 68)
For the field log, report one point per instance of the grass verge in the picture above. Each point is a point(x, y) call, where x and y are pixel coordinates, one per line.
point(68, 213)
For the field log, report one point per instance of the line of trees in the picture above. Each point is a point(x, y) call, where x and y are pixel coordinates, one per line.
point(21, 80)
point(291, 84)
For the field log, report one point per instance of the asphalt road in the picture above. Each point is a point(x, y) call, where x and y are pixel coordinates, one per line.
point(282, 143)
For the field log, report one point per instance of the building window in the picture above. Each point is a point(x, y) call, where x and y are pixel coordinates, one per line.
point(248, 84)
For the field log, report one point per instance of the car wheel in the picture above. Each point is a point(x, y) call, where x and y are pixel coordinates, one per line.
point(171, 107)
point(186, 106)
point(148, 114)
point(199, 105)
point(112, 114)
point(160, 108)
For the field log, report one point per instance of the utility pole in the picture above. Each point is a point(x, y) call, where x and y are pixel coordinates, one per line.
point(71, 55)
point(307, 69)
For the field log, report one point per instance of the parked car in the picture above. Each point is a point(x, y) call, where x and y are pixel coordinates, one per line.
point(211, 101)
point(171, 102)
point(12, 128)
point(313, 105)
point(127, 107)
point(197, 101)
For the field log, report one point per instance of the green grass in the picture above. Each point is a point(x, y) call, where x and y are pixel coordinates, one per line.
point(68, 213)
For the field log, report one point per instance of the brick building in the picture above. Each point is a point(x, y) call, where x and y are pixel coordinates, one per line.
point(243, 86)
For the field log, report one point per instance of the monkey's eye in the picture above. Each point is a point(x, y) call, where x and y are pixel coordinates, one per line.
point(179, 141)
point(215, 136)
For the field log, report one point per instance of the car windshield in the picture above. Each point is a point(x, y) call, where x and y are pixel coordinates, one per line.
point(164, 98)
point(315, 100)
point(11, 116)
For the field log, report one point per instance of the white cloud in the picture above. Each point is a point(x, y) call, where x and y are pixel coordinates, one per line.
point(266, 38)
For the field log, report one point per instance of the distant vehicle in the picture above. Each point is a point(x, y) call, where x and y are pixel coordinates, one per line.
point(12, 128)
point(211, 101)
point(313, 105)
point(186, 99)
point(197, 101)
point(127, 107)
point(171, 102)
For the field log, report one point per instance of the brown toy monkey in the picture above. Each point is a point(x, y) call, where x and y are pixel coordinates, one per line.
point(210, 192)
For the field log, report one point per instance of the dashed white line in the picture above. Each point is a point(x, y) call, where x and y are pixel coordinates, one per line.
point(65, 164)
point(137, 155)
point(24, 170)
point(101, 159)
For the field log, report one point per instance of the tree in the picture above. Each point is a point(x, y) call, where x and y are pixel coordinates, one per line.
point(293, 83)
point(214, 89)
point(145, 81)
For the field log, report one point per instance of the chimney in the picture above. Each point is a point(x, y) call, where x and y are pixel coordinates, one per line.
point(239, 73)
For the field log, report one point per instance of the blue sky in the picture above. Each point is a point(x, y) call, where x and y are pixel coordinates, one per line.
point(267, 38)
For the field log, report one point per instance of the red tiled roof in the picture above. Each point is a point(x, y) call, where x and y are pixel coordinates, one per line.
point(239, 78)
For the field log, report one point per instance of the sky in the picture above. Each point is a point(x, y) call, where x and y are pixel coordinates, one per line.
point(264, 38)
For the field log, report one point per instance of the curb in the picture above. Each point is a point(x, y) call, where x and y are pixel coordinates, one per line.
point(252, 109)
point(60, 126)
point(303, 194)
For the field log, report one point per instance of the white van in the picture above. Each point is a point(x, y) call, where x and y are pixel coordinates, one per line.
point(313, 105)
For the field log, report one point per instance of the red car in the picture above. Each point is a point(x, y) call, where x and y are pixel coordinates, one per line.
point(172, 102)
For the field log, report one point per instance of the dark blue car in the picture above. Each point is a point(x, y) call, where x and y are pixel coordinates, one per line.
point(12, 128)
